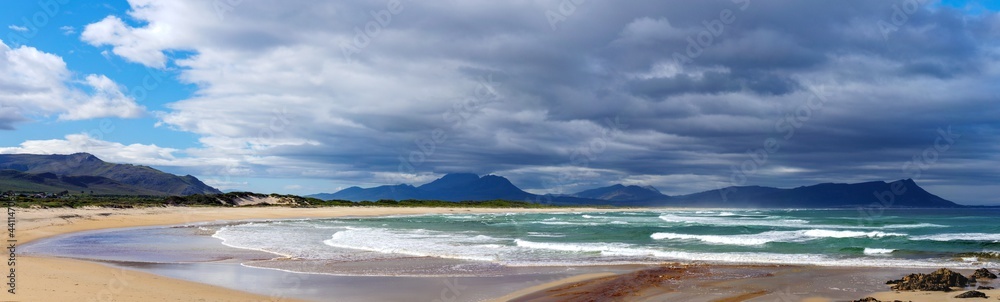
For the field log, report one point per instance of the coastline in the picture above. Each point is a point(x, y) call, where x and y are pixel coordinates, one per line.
point(63, 279)
point(54, 278)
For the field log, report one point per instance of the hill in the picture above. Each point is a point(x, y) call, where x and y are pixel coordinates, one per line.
point(12, 180)
point(81, 171)
point(451, 187)
point(901, 193)
point(622, 193)
point(463, 186)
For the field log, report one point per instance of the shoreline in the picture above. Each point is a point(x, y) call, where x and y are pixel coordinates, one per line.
point(65, 278)
point(56, 278)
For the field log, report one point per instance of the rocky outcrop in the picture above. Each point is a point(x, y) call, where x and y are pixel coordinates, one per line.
point(871, 299)
point(983, 274)
point(972, 294)
point(940, 280)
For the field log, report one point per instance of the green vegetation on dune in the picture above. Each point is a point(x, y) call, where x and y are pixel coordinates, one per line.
point(235, 199)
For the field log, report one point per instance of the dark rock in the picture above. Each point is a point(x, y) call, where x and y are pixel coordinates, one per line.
point(972, 294)
point(984, 287)
point(897, 281)
point(940, 280)
point(871, 299)
point(984, 273)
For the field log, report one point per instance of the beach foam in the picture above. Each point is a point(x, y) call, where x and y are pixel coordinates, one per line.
point(773, 236)
point(960, 237)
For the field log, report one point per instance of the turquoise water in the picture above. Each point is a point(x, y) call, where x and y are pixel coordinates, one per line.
point(892, 238)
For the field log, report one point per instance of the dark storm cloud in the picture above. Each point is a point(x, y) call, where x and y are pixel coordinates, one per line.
point(694, 86)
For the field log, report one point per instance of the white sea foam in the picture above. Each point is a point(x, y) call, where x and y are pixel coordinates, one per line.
point(421, 243)
point(875, 251)
point(913, 226)
point(772, 236)
point(960, 237)
point(606, 249)
point(778, 221)
point(567, 223)
point(848, 234)
point(733, 221)
point(540, 234)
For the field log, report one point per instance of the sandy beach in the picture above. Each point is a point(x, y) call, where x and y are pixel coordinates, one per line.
point(58, 279)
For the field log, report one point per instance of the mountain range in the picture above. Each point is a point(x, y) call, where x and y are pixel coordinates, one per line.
point(86, 172)
point(466, 186)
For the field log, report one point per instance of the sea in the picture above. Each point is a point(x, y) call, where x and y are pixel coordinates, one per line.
point(483, 243)
point(494, 254)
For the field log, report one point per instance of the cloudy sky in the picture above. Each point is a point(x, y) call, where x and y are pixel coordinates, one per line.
point(306, 96)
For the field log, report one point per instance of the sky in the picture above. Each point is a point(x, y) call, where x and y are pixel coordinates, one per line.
point(302, 97)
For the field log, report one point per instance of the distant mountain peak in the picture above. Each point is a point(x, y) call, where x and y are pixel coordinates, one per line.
point(450, 187)
point(450, 181)
point(824, 195)
point(651, 188)
point(129, 178)
point(620, 192)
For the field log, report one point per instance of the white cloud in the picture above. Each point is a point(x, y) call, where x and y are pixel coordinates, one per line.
point(67, 30)
point(140, 46)
point(106, 100)
point(18, 28)
point(36, 83)
point(276, 93)
point(109, 151)
point(115, 152)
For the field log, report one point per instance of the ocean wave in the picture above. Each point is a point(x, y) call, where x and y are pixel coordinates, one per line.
point(607, 249)
point(566, 223)
point(780, 221)
point(912, 226)
point(772, 236)
point(815, 259)
point(540, 234)
point(848, 234)
point(420, 243)
point(960, 237)
point(712, 220)
point(876, 251)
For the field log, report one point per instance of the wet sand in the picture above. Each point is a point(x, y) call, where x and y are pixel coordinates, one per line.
point(697, 283)
point(59, 279)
